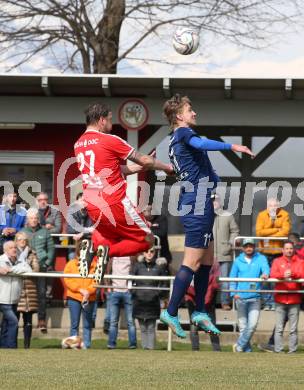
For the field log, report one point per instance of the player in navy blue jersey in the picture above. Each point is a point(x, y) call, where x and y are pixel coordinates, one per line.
point(189, 157)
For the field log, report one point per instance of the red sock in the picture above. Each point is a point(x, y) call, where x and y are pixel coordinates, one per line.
point(128, 248)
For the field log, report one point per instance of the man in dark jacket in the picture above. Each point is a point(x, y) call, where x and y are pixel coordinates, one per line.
point(79, 222)
point(159, 227)
point(146, 303)
point(42, 243)
point(49, 217)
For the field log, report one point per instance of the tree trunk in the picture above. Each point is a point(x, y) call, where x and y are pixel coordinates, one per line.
point(107, 45)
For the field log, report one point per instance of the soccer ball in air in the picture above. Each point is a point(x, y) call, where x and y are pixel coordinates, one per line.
point(72, 342)
point(185, 40)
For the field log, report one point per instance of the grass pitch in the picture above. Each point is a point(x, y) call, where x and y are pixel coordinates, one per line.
point(46, 366)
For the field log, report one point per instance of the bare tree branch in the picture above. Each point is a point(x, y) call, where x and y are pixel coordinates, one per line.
point(85, 35)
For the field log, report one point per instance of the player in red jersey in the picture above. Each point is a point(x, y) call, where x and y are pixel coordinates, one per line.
point(101, 157)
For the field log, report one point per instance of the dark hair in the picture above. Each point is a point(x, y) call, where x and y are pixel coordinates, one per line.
point(288, 242)
point(295, 235)
point(174, 106)
point(79, 195)
point(96, 111)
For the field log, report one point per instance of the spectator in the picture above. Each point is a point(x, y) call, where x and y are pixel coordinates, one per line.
point(28, 303)
point(272, 222)
point(225, 230)
point(79, 222)
point(10, 290)
point(121, 296)
point(288, 266)
point(80, 298)
point(146, 303)
point(299, 251)
point(49, 217)
point(12, 218)
point(249, 264)
point(42, 243)
point(210, 301)
point(298, 244)
point(159, 227)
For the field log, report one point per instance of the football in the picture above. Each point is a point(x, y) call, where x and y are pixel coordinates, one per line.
point(185, 40)
point(72, 342)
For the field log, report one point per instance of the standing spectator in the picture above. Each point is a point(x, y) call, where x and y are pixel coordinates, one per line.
point(121, 296)
point(159, 227)
point(249, 264)
point(49, 217)
point(28, 303)
point(12, 218)
point(272, 222)
point(288, 266)
point(210, 301)
point(298, 244)
point(146, 303)
point(42, 243)
point(299, 251)
point(225, 230)
point(10, 290)
point(80, 297)
point(79, 222)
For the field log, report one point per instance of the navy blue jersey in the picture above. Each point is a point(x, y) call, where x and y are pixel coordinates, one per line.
point(190, 164)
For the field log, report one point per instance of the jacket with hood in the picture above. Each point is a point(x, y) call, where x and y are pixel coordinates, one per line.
point(242, 269)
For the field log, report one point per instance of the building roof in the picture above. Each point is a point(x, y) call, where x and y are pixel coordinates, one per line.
point(145, 87)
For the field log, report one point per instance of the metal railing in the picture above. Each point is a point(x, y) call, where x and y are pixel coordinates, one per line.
point(169, 279)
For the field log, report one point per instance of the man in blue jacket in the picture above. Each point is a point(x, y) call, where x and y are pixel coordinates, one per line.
point(12, 218)
point(249, 264)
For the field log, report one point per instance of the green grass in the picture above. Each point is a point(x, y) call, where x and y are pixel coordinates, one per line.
point(46, 366)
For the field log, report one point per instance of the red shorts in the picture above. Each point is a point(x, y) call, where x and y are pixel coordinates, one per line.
point(118, 222)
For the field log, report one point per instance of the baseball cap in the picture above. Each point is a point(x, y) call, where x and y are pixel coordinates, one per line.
point(247, 241)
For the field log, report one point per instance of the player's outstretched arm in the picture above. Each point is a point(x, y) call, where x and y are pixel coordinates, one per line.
point(242, 149)
point(130, 169)
point(127, 170)
point(150, 163)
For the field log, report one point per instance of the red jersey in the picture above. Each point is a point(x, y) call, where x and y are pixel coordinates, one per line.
point(99, 157)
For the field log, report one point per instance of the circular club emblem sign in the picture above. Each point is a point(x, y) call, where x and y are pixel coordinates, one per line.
point(133, 114)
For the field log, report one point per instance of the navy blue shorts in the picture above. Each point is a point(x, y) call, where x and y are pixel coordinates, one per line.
point(198, 224)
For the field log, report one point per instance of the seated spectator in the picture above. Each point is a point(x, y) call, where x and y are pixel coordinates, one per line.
point(28, 303)
point(80, 299)
point(159, 227)
point(10, 290)
point(49, 217)
point(272, 222)
point(288, 266)
point(210, 301)
point(12, 218)
point(249, 264)
point(41, 242)
point(121, 296)
point(79, 222)
point(146, 303)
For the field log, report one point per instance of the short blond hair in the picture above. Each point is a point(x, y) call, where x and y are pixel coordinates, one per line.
point(174, 106)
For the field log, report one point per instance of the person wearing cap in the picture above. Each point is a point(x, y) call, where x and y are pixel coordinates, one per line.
point(249, 264)
point(225, 230)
